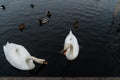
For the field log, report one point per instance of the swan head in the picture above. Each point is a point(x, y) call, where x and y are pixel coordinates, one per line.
point(42, 61)
point(37, 60)
point(66, 47)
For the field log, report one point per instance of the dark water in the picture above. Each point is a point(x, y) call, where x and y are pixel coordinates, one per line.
point(99, 55)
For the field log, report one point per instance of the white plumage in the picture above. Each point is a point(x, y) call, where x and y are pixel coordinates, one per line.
point(19, 57)
point(71, 47)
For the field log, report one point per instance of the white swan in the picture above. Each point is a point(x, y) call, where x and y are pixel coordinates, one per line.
point(71, 47)
point(19, 57)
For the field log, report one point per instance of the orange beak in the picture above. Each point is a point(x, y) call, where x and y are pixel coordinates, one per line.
point(45, 62)
point(64, 52)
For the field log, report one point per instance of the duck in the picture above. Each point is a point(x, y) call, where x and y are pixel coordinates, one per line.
point(71, 47)
point(32, 5)
point(3, 7)
point(76, 24)
point(43, 21)
point(48, 14)
point(18, 56)
point(21, 27)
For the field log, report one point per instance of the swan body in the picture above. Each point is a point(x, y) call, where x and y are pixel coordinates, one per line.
point(19, 57)
point(71, 47)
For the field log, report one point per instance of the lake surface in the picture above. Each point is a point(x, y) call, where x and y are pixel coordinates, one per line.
point(99, 55)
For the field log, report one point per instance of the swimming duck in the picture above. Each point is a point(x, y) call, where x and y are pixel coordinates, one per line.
point(49, 14)
point(32, 5)
point(22, 27)
point(19, 57)
point(76, 24)
point(71, 47)
point(43, 21)
point(3, 7)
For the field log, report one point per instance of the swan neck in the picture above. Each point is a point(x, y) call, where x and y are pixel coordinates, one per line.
point(71, 49)
point(40, 61)
point(69, 46)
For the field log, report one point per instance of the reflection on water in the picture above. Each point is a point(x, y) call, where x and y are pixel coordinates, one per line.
point(95, 34)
